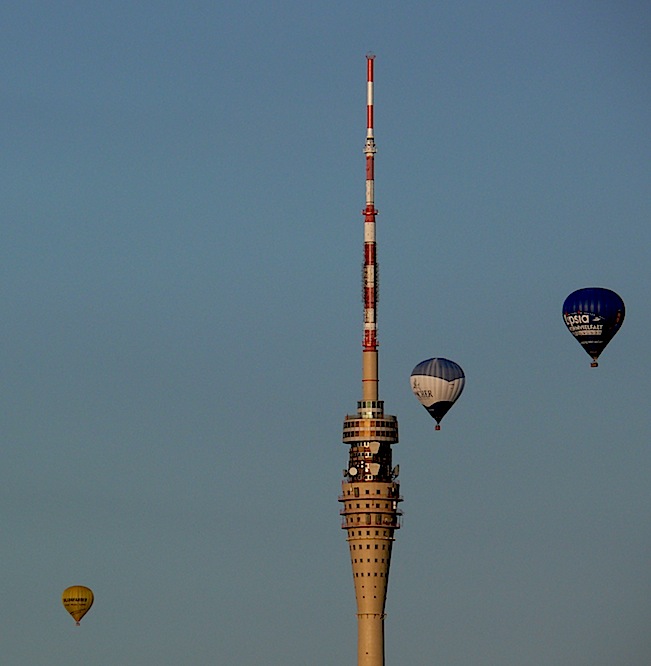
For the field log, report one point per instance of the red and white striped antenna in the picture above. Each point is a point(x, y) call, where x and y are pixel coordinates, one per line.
point(370, 275)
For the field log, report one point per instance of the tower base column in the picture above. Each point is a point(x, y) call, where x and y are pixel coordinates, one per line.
point(370, 639)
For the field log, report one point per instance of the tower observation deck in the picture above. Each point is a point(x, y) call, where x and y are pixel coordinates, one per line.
point(370, 492)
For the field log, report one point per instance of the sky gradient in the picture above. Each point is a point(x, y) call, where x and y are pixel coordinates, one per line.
point(180, 252)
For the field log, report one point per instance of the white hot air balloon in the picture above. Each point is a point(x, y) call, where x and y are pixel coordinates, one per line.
point(437, 383)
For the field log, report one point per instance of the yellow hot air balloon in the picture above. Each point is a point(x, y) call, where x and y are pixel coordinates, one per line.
point(77, 600)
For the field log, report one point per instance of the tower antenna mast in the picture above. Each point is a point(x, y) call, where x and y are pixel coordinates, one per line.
point(370, 491)
point(370, 353)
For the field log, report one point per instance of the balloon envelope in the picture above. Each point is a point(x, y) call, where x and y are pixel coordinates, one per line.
point(593, 316)
point(437, 383)
point(77, 600)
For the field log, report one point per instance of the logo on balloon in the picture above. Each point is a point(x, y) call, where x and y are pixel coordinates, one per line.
point(419, 392)
point(570, 320)
point(574, 319)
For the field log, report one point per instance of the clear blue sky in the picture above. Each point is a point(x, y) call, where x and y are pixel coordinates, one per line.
point(180, 252)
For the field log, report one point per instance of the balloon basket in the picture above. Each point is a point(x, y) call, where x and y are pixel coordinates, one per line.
point(437, 427)
point(594, 364)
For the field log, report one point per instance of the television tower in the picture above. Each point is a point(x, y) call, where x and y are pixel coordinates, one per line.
point(370, 492)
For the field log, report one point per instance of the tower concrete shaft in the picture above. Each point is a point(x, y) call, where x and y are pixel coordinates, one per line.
point(370, 492)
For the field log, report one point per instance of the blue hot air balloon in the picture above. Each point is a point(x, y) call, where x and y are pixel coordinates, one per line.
point(437, 383)
point(593, 316)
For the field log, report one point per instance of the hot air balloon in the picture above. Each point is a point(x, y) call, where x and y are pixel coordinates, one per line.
point(437, 383)
point(77, 600)
point(593, 315)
